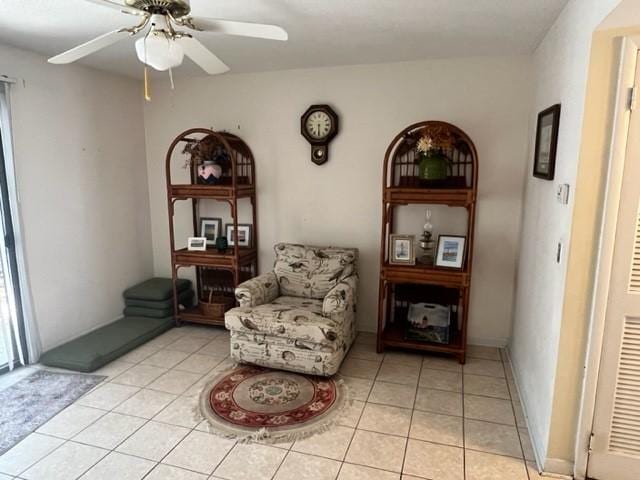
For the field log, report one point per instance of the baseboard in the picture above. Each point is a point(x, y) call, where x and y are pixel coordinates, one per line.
point(488, 342)
point(551, 467)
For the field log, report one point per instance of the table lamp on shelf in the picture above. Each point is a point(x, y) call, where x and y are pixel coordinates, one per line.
point(426, 242)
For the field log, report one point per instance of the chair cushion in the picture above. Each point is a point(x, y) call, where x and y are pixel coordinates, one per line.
point(284, 321)
point(156, 289)
point(310, 272)
point(311, 304)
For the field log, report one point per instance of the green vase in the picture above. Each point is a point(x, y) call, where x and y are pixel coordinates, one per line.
point(434, 166)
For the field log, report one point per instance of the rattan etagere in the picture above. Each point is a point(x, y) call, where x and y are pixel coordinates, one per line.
point(215, 270)
point(401, 285)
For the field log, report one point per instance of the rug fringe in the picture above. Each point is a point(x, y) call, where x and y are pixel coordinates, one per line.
point(264, 435)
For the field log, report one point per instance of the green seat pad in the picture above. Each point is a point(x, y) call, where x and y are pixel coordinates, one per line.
point(184, 298)
point(147, 312)
point(99, 347)
point(156, 289)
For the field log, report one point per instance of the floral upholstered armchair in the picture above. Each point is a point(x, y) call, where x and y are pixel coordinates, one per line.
point(301, 315)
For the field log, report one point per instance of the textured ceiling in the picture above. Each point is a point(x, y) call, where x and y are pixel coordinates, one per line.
point(321, 32)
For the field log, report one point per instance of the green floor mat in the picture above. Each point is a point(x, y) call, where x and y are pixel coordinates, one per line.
point(99, 347)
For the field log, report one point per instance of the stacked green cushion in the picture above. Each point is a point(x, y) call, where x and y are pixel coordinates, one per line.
point(97, 348)
point(156, 289)
point(185, 297)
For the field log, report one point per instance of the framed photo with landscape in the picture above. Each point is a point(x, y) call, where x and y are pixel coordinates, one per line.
point(210, 229)
point(450, 252)
point(402, 249)
point(196, 244)
point(244, 234)
point(544, 163)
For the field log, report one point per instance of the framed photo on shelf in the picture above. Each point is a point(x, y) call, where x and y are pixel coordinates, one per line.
point(210, 229)
point(197, 244)
point(544, 163)
point(244, 234)
point(402, 249)
point(450, 251)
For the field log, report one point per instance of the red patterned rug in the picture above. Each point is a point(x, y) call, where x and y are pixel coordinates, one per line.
point(256, 403)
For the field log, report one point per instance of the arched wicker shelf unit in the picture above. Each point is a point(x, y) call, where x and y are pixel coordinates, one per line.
point(401, 285)
point(218, 272)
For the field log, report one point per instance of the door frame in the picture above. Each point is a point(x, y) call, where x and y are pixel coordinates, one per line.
point(628, 56)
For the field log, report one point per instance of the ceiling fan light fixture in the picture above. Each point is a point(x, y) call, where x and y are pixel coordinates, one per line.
point(159, 51)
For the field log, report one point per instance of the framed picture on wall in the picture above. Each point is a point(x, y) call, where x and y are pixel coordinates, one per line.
point(210, 229)
point(450, 252)
point(244, 234)
point(544, 163)
point(402, 249)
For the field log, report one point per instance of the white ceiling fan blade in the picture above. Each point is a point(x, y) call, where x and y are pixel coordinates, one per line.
point(90, 47)
point(118, 6)
point(202, 56)
point(242, 29)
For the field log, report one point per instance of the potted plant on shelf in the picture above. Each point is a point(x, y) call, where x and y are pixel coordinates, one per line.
point(433, 164)
point(210, 158)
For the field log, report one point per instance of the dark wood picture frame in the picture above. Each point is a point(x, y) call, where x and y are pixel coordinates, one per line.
point(228, 228)
point(545, 168)
point(218, 221)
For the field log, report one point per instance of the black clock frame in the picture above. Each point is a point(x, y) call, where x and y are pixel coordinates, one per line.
point(319, 146)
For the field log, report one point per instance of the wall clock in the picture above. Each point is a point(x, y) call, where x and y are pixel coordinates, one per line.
point(319, 125)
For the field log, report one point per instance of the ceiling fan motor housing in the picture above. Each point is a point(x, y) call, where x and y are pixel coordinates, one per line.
point(177, 8)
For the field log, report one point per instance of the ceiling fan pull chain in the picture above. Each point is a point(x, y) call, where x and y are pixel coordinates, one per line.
point(147, 97)
point(173, 87)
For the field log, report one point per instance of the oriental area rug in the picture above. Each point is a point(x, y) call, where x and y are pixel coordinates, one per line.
point(255, 403)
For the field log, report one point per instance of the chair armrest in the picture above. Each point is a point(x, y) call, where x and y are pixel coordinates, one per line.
point(257, 291)
point(341, 297)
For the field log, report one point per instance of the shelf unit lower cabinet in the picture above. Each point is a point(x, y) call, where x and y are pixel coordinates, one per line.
point(398, 294)
point(216, 268)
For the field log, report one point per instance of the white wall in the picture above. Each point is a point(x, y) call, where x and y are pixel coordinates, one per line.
point(340, 202)
point(79, 150)
point(561, 67)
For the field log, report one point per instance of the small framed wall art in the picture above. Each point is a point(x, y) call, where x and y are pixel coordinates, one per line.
point(244, 234)
point(402, 249)
point(544, 163)
point(197, 244)
point(210, 229)
point(451, 250)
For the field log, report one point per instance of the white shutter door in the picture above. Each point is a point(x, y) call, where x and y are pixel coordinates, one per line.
point(615, 445)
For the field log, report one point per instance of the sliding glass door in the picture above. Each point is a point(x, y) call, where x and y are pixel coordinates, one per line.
point(12, 336)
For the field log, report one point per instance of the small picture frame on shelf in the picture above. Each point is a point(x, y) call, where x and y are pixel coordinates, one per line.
point(210, 229)
point(402, 249)
point(450, 251)
point(244, 234)
point(197, 244)
point(544, 163)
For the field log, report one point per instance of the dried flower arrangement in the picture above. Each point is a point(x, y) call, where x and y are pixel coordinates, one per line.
point(434, 140)
point(208, 149)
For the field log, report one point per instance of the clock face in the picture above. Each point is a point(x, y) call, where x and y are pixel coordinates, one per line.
point(318, 124)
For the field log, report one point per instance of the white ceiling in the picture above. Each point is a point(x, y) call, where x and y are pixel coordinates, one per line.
point(321, 32)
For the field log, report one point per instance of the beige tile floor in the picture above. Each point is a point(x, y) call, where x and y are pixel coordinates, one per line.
point(413, 417)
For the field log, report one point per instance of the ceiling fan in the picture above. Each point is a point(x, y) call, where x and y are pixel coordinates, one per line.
point(161, 44)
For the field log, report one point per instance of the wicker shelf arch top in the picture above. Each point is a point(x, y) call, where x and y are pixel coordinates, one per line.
point(241, 170)
point(401, 161)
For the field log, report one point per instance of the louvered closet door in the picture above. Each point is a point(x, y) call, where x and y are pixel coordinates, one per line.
point(615, 444)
